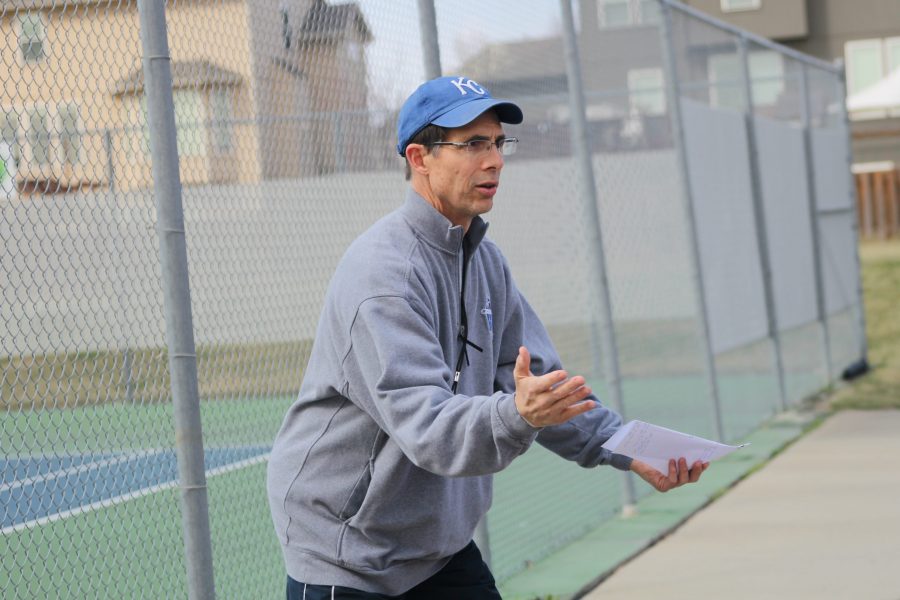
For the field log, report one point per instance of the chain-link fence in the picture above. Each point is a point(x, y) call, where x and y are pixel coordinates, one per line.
point(702, 171)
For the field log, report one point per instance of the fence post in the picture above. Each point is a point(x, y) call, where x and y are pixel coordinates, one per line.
point(176, 291)
point(673, 91)
point(862, 365)
point(582, 152)
point(759, 217)
point(431, 49)
point(814, 222)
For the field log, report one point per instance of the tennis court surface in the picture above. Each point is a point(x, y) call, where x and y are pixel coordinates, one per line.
point(39, 489)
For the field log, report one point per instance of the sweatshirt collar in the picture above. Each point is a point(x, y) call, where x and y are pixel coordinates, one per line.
point(436, 229)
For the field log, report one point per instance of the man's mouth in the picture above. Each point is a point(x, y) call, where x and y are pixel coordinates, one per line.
point(489, 187)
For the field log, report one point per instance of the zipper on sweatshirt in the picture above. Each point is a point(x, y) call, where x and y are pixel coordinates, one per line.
point(463, 319)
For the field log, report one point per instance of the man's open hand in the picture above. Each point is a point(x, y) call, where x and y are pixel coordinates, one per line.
point(679, 474)
point(549, 399)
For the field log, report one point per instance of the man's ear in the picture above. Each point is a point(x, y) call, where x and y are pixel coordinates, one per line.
point(415, 155)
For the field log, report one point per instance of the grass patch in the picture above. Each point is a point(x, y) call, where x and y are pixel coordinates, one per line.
point(647, 349)
point(880, 388)
point(141, 376)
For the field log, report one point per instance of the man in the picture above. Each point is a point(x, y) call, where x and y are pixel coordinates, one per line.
point(429, 373)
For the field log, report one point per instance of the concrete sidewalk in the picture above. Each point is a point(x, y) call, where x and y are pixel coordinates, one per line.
point(821, 520)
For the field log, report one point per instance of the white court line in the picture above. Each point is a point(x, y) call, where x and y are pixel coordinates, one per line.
point(82, 468)
point(129, 496)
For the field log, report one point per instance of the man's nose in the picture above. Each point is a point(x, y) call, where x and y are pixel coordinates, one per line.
point(494, 157)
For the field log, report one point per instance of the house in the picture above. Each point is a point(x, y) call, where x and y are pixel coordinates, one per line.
point(620, 50)
point(624, 99)
point(314, 76)
point(257, 85)
point(864, 33)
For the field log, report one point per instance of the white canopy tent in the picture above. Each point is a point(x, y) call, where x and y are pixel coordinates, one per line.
point(877, 101)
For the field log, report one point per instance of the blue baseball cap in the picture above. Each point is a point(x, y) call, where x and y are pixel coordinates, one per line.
point(449, 102)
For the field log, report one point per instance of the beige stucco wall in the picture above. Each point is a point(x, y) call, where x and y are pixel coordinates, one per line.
point(219, 33)
point(89, 49)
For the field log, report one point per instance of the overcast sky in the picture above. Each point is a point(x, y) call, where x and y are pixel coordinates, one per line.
point(464, 26)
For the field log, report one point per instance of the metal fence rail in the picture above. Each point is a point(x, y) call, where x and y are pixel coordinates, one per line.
point(693, 178)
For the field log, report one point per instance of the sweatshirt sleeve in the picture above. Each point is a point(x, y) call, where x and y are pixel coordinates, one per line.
point(395, 371)
point(580, 438)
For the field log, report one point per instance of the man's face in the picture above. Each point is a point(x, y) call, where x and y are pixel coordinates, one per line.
point(463, 183)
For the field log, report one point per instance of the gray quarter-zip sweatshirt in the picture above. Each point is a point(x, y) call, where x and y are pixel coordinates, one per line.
point(380, 472)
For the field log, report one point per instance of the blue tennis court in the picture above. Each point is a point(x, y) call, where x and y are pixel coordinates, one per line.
point(39, 487)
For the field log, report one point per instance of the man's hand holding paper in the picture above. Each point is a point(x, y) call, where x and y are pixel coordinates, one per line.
point(678, 473)
point(661, 456)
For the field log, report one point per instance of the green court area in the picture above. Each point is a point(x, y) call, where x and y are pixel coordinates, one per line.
point(95, 503)
point(91, 500)
point(133, 548)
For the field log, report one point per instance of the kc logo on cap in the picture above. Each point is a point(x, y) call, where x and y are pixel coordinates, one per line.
point(462, 82)
point(449, 102)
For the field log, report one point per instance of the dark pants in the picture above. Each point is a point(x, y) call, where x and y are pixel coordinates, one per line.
point(465, 576)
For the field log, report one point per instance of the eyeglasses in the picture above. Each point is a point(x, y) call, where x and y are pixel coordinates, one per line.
point(506, 146)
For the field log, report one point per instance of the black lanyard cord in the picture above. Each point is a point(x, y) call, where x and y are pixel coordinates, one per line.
point(463, 325)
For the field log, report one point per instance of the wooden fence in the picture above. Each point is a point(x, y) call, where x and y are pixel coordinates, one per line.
point(878, 199)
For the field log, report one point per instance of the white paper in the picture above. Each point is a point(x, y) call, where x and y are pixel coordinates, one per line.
point(656, 445)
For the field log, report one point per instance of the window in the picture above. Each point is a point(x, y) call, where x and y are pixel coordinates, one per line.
point(645, 89)
point(189, 123)
point(8, 159)
point(738, 5)
point(767, 73)
point(865, 64)
point(221, 106)
point(31, 36)
point(625, 13)
point(38, 138)
point(69, 133)
point(870, 61)
point(614, 13)
point(726, 78)
point(726, 87)
point(649, 10)
point(9, 132)
point(892, 54)
point(136, 137)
